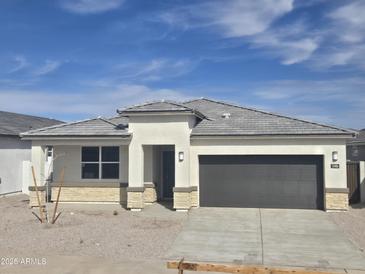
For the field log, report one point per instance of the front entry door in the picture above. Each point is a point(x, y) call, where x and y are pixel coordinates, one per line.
point(168, 173)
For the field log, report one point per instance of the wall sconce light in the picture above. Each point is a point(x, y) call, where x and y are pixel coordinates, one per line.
point(334, 156)
point(181, 156)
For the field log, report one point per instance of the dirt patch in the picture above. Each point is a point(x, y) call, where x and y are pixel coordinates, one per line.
point(101, 233)
point(352, 223)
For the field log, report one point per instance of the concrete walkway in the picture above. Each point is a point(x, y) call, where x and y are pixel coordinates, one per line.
point(270, 237)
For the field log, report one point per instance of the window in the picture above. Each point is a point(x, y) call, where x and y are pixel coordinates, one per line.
point(100, 163)
point(90, 163)
point(110, 162)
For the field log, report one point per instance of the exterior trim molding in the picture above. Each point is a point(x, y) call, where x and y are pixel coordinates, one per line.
point(185, 189)
point(268, 136)
point(65, 138)
point(162, 113)
point(135, 189)
point(337, 190)
point(149, 185)
point(90, 184)
point(40, 188)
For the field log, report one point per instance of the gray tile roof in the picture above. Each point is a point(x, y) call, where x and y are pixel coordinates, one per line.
point(242, 122)
point(360, 138)
point(15, 123)
point(159, 106)
point(87, 128)
point(248, 121)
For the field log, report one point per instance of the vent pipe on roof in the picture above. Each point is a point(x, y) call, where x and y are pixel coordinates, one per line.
point(226, 115)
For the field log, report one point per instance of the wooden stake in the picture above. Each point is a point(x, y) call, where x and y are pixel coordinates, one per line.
point(37, 194)
point(179, 267)
point(246, 269)
point(54, 218)
point(35, 214)
point(58, 215)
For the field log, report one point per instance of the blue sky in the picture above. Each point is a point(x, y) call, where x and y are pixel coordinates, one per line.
point(76, 59)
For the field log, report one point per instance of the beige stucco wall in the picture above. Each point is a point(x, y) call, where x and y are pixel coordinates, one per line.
point(38, 159)
point(333, 178)
point(148, 164)
point(159, 130)
point(69, 156)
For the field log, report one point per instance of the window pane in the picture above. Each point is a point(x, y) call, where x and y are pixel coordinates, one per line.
point(90, 171)
point(110, 171)
point(110, 154)
point(90, 154)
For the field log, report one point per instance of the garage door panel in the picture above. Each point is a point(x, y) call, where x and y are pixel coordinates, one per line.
point(261, 181)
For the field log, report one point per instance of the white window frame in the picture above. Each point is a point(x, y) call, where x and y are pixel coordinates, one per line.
point(100, 163)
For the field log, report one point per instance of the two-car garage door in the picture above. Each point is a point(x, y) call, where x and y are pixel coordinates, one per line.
point(266, 181)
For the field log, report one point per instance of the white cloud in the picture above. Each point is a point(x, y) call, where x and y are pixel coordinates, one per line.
point(154, 70)
point(90, 6)
point(235, 18)
point(339, 40)
point(252, 21)
point(82, 104)
point(292, 44)
point(48, 67)
point(20, 63)
point(349, 22)
point(345, 38)
point(242, 18)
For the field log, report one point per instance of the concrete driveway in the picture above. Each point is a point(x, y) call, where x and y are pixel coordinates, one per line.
point(270, 237)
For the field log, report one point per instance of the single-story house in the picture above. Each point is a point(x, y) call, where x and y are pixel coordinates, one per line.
point(356, 153)
point(197, 153)
point(14, 153)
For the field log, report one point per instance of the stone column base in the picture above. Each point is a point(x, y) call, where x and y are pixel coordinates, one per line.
point(185, 198)
point(337, 199)
point(33, 201)
point(194, 198)
point(149, 194)
point(135, 198)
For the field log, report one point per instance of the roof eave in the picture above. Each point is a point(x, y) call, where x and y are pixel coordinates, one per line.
point(159, 112)
point(250, 136)
point(73, 137)
point(9, 134)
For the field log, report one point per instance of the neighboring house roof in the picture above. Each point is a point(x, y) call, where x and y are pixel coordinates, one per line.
point(216, 119)
point(14, 123)
point(249, 121)
point(360, 138)
point(159, 106)
point(97, 127)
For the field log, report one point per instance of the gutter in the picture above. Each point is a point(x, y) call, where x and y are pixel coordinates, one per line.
point(160, 112)
point(270, 136)
point(78, 137)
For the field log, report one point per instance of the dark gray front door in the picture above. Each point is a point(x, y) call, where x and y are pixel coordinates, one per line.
point(261, 181)
point(168, 173)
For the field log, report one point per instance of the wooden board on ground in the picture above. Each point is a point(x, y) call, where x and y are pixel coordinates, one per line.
point(246, 269)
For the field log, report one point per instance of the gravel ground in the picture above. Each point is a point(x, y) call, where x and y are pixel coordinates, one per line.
point(91, 230)
point(352, 223)
point(94, 230)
